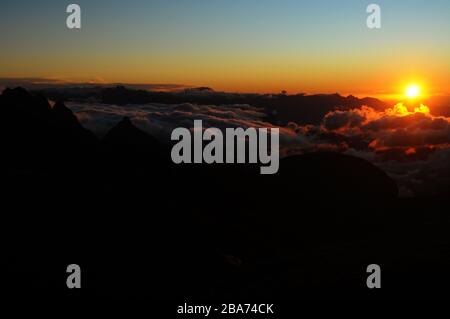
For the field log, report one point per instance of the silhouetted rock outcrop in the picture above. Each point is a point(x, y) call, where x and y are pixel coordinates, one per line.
point(133, 156)
point(64, 116)
point(128, 142)
point(20, 100)
point(335, 175)
point(125, 133)
point(34, 134)
point(122, 96)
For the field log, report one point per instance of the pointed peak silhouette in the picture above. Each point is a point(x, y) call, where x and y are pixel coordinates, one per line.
point(126, 122)
point(126, 133)
point(17, 92)
point(64, 115)
point(20, 99)
point(17, 96)
point(127, 145)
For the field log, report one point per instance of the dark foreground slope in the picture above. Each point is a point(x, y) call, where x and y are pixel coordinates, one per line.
point(140, 226)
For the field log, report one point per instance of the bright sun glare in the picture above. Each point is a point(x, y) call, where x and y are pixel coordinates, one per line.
point(412, 91)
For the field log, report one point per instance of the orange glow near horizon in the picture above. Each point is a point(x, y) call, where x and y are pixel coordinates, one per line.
point(311, 47)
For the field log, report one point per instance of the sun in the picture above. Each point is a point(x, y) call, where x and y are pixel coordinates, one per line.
point(412, 91)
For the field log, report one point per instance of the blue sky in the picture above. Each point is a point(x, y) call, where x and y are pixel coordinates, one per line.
point(174, 39)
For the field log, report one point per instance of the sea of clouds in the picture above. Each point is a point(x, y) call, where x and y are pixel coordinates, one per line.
point(412, 146)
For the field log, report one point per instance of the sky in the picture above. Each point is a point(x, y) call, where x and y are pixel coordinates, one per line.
point(241, 46)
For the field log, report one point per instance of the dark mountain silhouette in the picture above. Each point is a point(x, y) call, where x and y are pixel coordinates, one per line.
point(128, 155)
point(199, 90)
point(125, 133)
point(64, 117)
point(125, 143)
point(310, 109)
point(19, 100)
point(33, 133)
point(440, 105)
point(139, 225)
point(335, 175)
point(281, 108)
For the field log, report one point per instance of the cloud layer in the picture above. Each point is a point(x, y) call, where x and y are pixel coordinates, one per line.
point(412, 146)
